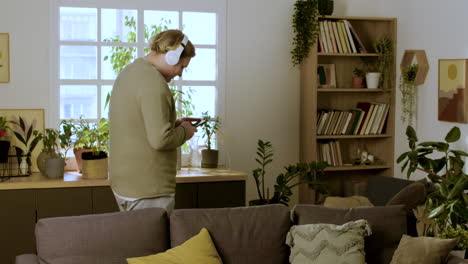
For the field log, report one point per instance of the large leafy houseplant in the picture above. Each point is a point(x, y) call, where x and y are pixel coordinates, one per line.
point(447, 204)
point(408, 93)
point(305, 27)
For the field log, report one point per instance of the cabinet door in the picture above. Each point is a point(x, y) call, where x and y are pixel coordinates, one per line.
point(17, 220)
point(186, 195)
point(221, 194)
point(104, 201)
point(64, 202)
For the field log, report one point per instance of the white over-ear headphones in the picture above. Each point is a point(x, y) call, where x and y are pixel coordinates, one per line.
point(173, 56)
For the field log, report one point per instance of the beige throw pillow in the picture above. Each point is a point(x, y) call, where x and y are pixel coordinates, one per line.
point(347, 202)
point(328, 243)
point(427, 250)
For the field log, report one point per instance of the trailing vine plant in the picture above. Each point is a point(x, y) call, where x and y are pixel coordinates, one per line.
point(408, 93)
point(305, 27)
point(384, 48)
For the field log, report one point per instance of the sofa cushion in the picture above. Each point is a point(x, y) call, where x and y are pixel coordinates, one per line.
point(244, 235)
point(410, 196)
point(427, 250)
point(328, 243)
point(102, 238)
point(346, 202)
point(198, 249)
point(388, 224)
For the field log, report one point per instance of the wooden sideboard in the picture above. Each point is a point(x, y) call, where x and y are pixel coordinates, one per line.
point(26, 200)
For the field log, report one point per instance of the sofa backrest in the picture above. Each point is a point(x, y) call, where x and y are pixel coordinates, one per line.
point(388, 224)
point(102, 238)
point(244, 235)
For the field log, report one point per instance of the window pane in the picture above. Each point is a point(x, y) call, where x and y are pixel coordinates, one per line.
point(110, 67)
point(105, 89)
point(202, 67)
point(78, 100)
point(200, 27)
point(78, 62)
point(78, 23)
point(119, 25)
point(203, 98)
point(157, 21)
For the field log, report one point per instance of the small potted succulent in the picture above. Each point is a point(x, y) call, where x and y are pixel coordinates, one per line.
point(209, 127)
point(358, 78)
point(4, 138)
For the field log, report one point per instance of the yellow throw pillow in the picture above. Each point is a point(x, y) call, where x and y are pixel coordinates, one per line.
point(347, 202)
point(198, 249)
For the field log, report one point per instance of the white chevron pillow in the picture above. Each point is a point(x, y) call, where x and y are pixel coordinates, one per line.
point(327, 243)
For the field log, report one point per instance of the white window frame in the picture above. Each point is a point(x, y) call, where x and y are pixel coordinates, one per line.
point(211, 6)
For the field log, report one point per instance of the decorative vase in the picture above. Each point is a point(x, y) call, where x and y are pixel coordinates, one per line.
point(209, 158)
point(78, 153)
point(41, 160)
point(372, 80)
point(55, 167)
point(23, 166)
point(4, 148)
point(357, 82)
point(325, 7)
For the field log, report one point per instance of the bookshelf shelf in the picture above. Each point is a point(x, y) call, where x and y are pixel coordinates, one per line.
point(353, 136)
point(348, 54)
point(357, 168)
point(342, 149)
point(354, 90)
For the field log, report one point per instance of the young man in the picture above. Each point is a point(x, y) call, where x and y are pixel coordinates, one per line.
point(144, 132)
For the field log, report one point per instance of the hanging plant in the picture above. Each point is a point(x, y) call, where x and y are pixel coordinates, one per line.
point(384, 48)
point(408, 93)
point(306, 28)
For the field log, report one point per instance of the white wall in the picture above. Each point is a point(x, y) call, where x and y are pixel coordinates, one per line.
point(440, 30)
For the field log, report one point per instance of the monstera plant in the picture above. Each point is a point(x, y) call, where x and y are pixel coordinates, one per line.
point(447, 203)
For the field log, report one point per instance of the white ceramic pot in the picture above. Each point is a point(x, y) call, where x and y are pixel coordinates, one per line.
point(372, 80)
point(458, 253)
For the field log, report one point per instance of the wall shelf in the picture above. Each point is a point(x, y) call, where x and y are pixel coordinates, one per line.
point(352, 136)
point(357, 168)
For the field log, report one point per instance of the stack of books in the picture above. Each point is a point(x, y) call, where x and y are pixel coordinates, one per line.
point(330, 152)
point(339, 36)
point(366, 119)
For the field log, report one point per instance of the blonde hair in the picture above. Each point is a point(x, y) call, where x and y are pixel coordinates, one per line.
point(170, 40)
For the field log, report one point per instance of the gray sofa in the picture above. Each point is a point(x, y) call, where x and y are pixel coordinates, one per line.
point(242, 235)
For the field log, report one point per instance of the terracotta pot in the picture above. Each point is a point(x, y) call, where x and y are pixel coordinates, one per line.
point(209, 158)
point(358, 82)
point(78, 159)
point(4, 148)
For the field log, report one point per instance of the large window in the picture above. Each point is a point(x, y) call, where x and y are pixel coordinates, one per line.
point(96, 39)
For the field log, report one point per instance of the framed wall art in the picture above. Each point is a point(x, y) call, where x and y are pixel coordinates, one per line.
point(4, 58)
point(453, 96)
point(27, 121)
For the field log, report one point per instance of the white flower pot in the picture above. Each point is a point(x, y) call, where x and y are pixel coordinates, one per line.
point(372, 80)
point(458, 253)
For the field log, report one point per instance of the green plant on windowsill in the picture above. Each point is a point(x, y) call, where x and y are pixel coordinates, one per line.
point(82, 131)
point(65, 137)
point(209, 126)
point(447, 204)
point(408, 93)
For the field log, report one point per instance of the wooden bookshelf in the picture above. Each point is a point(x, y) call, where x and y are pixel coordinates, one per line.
point(345, 98)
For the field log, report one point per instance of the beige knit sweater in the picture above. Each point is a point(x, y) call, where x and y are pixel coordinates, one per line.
point(143, 138)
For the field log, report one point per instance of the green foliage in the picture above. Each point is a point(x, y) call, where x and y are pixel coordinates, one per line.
point(28, 136)
point(296, 174)
point(305, 27)
point(209, 127)
point(447, 203)
point(408, 93)
point(82, 131)
point(65, 136)
point(265, 157)
point(384, 48)
point(49, 139)
point(4, 127)
point(358, 72)
point(459, 232)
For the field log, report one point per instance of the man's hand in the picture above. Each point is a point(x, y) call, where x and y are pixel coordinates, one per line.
point(189, 129)
point(178, 122)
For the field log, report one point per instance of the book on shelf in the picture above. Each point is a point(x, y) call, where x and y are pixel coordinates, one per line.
point(339, 36)
point(360, 46)
point(330, 152)
point(326, 76)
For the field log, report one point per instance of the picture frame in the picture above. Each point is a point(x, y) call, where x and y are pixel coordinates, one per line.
point(4, 58)
point(452, 92)
point(326, 76)
point(31, 117)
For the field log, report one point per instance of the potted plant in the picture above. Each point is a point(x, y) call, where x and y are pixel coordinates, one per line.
point(265, 157)
point(460, 233)
point(326, 7)
point(209, 127)
point(49, 141)
point(83, 143)
point(358, 78)
point(95, 162)
point(408, 93)
point(29, 137)
point(384, 49)
point(4, 140)
point(447, 202)
point(305, 27)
